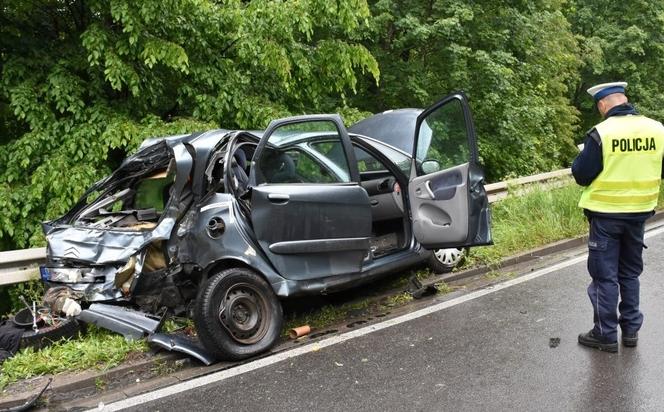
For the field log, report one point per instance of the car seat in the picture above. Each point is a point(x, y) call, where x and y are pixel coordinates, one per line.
point(239, 164)
point(277, 167)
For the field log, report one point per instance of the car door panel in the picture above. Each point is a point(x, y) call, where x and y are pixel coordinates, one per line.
point(449, 207)
point(479, 213)
point(283, 213)
point(440, 208)
point(444, 185)
point(310, 230)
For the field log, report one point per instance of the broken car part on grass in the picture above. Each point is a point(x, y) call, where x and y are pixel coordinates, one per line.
point(221, 225)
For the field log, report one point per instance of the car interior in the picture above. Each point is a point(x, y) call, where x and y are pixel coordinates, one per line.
point(386, 200)
point(135, 203)
point(323, 161)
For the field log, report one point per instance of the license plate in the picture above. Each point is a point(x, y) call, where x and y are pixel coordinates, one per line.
point(44, 273)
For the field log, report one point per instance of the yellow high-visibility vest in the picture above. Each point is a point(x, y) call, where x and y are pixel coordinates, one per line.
point(632, 150)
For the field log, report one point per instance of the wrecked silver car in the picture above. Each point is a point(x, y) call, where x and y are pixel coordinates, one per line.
point(223, 224)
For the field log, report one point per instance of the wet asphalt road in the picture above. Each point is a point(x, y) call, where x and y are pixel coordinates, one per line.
point(490, 353)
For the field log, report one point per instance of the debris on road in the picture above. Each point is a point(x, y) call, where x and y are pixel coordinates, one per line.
point(299, 331)
point(554, 342)
point(418, 290)
point(30, 402)
point(132, 324)
point(172, 342)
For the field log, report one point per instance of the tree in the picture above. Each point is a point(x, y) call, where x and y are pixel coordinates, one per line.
point(620, 41)
point(85, 81)
point(516, 60)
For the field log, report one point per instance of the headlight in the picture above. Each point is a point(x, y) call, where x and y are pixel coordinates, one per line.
point(71, 275)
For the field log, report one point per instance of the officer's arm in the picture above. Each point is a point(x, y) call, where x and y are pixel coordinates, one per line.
point(588, 164)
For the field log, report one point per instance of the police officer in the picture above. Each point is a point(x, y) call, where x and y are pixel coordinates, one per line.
point(621, 167)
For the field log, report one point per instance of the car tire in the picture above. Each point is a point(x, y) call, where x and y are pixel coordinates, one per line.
point(444, 260)
point(45, 336)
point(237, 314)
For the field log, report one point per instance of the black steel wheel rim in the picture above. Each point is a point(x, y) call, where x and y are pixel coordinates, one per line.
point(244, 313)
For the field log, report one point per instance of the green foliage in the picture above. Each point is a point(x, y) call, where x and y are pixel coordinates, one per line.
point(97, 349)
point(517, 61)
point(620, 41)
point(32, 291)
point(530, 220)
point(84, 82)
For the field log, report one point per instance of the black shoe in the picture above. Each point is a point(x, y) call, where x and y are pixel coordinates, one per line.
point(598, 342)
point(630, 339)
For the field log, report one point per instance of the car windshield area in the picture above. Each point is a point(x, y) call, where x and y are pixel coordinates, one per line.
point(399, 158)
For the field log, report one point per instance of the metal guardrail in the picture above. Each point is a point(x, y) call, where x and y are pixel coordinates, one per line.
point(18, 266)
point(499, 190)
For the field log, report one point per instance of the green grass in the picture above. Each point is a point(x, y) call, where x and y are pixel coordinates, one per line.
point(321, 317)
point(174, 324)
point(443, 288)
point(536, 218)
point(97, 349)
point(532, 219)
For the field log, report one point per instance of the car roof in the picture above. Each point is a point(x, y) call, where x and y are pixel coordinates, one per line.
point(394, 127)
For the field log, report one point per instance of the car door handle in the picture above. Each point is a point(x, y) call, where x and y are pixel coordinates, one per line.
point(427, 185)
point(278, 197)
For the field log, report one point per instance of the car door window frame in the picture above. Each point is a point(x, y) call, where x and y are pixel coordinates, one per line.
point(470, 130)
point(343, 136)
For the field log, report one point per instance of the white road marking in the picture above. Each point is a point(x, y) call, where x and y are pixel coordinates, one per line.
point(316, 346)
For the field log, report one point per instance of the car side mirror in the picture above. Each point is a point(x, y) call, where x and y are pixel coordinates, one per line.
point(430, 166)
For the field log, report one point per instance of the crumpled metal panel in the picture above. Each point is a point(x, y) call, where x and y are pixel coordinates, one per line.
point(132, 324)
point(181, 344)
point(103, 246)
point(196, 245)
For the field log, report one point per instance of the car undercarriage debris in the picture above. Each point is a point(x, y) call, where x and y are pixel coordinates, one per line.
point(418, 290)
point(299, 331)
point(172, 342)
point(130, 323)
point(31, 402)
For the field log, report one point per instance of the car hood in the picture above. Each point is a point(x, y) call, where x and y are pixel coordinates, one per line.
point(102, 246)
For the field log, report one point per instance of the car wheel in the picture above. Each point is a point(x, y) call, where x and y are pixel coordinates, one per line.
point(444, 260)
point(237, 314)
point(47, 335)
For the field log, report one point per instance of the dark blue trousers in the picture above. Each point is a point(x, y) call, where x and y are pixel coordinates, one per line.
point(615, 263)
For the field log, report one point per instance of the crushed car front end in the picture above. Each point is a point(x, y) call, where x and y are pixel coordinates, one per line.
point(119, 229)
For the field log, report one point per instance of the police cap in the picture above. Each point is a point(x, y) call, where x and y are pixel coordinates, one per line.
point(600, 91)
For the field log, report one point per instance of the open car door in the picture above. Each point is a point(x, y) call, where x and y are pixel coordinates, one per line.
point(311, 216)
point(449, 206)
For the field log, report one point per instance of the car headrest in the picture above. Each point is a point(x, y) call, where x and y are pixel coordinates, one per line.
point(240, 158)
